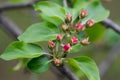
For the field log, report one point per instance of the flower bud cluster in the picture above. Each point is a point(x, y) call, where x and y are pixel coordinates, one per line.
point(68, 36)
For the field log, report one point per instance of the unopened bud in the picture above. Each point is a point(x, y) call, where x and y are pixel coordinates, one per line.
point(68, 18)
point(51, 44)
point(64, 27)
point(79, 27)
point(66, 47)
point(83, 13)
point(57, 62)
point(74, 40)
point(59, 37)
point(90, 23)
point(85, 41)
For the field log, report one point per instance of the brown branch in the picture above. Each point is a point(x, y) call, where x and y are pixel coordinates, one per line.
point(110, 24)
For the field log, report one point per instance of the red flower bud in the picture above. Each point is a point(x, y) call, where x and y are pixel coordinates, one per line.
point(79, 27)
point(51, 44)
point(64, 27)
point(90, 23)
point(83, 13)
point(59, 37)
point(68, 18)
point(57, 62)
point(74, 40)
point(85, 41)
point(66, 47)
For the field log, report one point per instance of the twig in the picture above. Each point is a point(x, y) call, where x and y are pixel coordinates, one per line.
point(66, 72)
point(110, 24)
point(9, 26)
point(109, 59)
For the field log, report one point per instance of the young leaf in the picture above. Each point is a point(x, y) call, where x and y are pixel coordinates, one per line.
point(18, 50)
point(86, 65)
point(95, 32)
point(39, 64)
point(96, 12)
point(75, 48)
point(51, 10)
point(39, 32)
point(93, 7)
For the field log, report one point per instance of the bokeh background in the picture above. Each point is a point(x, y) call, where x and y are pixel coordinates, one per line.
point(104, 47)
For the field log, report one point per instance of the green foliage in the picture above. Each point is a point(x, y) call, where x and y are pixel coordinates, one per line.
point(19, 1)
point(86, 65)
point(75, 48)
point(96, 12)
point(39, 64)
point(94, 8)
point(95, 32)
point(54, 16)
point(19, 50)
point(111, 37)
point(51, 12)
point(39, 32)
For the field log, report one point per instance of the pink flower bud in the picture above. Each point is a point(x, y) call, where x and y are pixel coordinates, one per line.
point(79, 27)
point(85, 41)
point(83, 13)
point(74, 40)
point(66, 47)
point(68, 18)
point(51, 44)
point(57, 62)
point(59, 37)
point(90, 23)
point(64, 27)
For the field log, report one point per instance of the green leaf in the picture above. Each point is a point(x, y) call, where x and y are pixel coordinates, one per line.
point(19, 1)
point(54, 19)
point(75, 48)
point(57, 1)
point(51, 10)
point(39, 32)
point(95, 10)
point(95, 32)
point(86, 65)
point(39, 65)
point(18, 50)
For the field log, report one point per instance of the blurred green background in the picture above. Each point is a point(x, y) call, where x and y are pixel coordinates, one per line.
point(99, 50)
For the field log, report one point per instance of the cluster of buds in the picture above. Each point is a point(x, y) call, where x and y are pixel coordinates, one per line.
point(68, 38)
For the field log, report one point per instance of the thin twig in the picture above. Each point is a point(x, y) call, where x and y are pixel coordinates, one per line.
point(66, 72)
point(110, 24)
